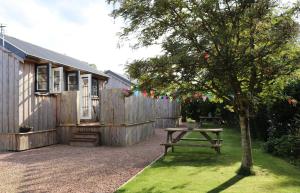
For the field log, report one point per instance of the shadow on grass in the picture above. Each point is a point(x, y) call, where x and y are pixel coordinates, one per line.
point(226, 184)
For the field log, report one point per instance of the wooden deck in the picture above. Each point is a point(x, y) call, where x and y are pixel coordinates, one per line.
point(25, 141)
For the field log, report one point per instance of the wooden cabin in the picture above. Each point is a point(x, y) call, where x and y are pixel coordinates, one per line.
point(63, 100)
point(33, 81)
point(118, 80)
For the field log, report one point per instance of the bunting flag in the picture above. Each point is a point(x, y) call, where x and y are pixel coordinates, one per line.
point(136, 93)
point(165, 99)
point(145, 93)
point(152, 93)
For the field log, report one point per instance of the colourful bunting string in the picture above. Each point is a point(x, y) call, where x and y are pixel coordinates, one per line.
point(136, 93)
point(152, 93)
point(144, 93)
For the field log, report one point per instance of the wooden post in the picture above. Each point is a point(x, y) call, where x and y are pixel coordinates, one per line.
point(78, 107)
point(218, 143)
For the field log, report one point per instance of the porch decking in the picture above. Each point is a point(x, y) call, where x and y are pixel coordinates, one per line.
point(111, 135)
point(25, 141)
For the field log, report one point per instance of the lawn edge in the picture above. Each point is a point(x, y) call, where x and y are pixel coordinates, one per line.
point(149, 165)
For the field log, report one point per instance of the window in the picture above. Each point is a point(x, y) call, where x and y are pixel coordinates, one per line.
point(72, 81)
point(95, 87)
point(57, 79)
point(42, 78)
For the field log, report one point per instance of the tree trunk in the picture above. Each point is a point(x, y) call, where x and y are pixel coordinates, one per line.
point(247, 161)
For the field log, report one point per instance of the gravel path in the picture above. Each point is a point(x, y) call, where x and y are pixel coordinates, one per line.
point(62, 168)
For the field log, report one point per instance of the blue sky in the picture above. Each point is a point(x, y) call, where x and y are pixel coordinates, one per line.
point(82, 29)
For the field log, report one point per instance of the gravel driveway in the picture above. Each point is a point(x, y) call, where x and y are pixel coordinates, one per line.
point(62, 168)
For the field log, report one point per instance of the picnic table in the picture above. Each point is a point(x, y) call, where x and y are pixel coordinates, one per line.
point(172, 141)
point(217, 120)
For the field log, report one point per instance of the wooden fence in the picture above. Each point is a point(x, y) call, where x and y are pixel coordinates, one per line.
point(123, 120)
point(167, 113)
point(68, 108)
point(113, 108)
point(119, 110)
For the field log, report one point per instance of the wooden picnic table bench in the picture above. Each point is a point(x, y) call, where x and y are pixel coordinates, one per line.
point(173, 141)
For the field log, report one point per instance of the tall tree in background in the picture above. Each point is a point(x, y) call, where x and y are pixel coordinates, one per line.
point(231, 48)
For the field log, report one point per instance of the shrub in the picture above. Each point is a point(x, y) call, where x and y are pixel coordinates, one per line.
point(285, 146)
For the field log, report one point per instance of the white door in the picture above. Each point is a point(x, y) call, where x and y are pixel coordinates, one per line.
point(85, 96)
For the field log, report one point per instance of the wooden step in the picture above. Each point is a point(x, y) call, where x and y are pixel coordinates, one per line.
point(83, 142)
point(86, 135)
point(85, 139)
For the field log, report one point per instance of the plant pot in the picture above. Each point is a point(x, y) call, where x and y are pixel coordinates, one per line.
point(25, 129)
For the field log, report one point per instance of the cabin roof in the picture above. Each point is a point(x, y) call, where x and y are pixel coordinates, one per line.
point(23, 49)
point(120, 76)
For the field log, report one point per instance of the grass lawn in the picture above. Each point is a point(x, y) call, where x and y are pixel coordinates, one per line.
point(196, 170)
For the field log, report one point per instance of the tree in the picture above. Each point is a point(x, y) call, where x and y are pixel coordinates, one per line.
point(93, 65)
point(231, 48)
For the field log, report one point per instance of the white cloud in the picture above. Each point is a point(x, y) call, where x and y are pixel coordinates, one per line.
point(82, 29)
point(78, 29)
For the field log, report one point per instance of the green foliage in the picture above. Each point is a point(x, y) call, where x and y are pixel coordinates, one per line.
point(93, 65)
point(282, 118)
point(275, 92)
point(249, 44)
point(286, 146)
point(196, 108)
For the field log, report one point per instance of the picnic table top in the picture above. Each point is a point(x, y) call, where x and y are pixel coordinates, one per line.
point(201, 117)
point(195, 129)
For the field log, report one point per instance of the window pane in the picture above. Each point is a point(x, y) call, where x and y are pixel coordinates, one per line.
point(56, 78)
point(95, 87)
point(72, 82)
point(72, 79)
point(73, 87)
point(42, 85)
point(42, 78)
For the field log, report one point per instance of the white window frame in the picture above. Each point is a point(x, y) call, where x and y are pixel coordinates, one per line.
point(89, 77)
point(61, 75)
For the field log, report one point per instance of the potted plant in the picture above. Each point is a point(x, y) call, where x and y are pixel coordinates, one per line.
point(25, 129)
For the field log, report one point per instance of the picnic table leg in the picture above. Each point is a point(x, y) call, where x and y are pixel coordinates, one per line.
point(168, 140)
point(171, 140)
point(166, 150)
point(218, 142)
point(212, 142)
point(200, 123)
